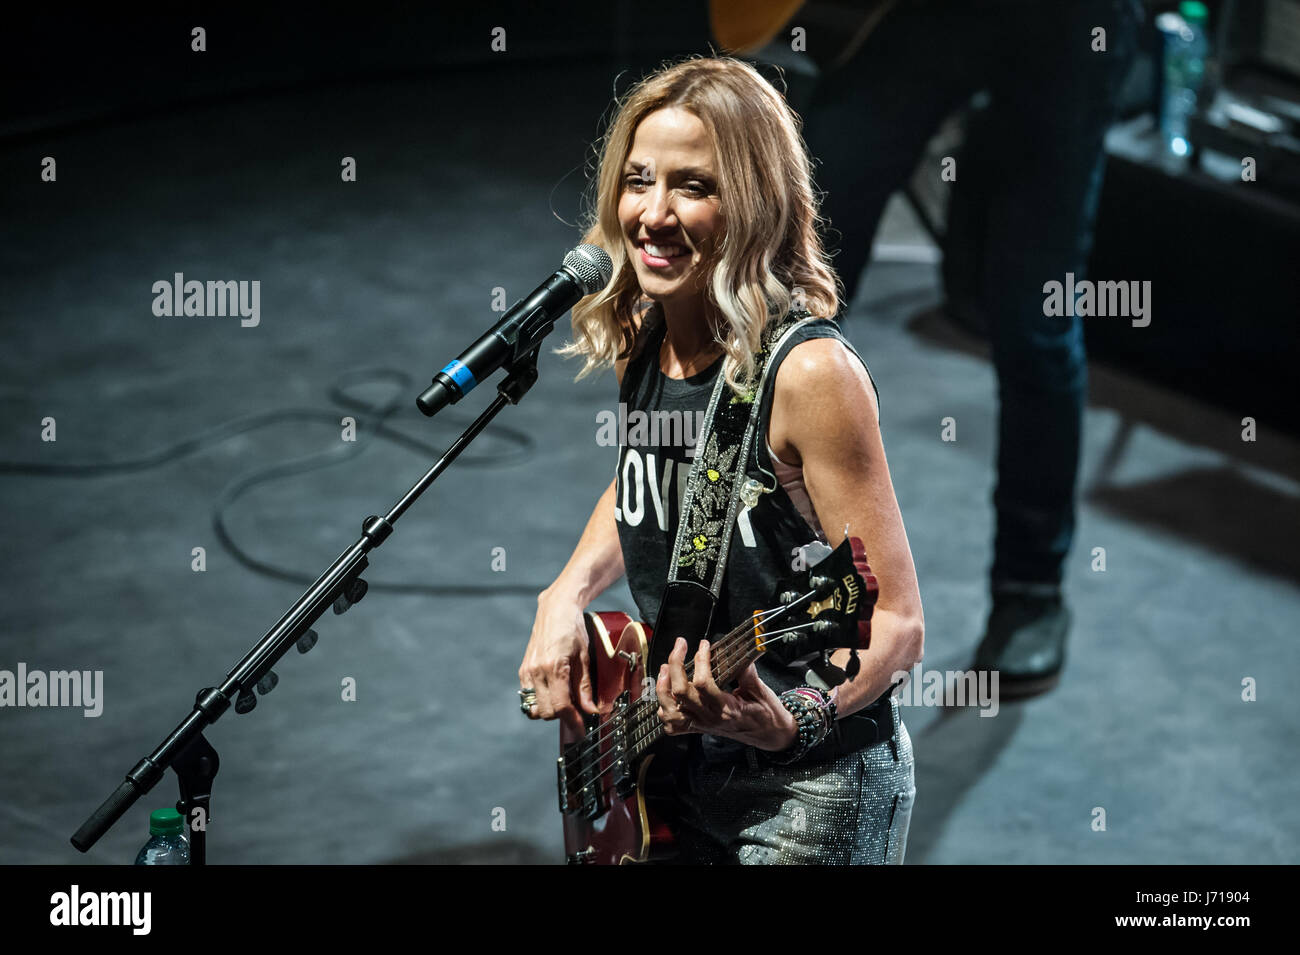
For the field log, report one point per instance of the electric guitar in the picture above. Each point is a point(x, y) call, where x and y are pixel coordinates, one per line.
point(616, 808)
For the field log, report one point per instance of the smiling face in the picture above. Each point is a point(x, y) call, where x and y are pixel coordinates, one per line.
point(669, 207)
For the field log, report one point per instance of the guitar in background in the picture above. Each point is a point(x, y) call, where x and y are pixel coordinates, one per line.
point(836, 29)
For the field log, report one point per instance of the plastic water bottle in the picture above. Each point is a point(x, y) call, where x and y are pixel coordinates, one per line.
point(1184, 68)
point(167, 844)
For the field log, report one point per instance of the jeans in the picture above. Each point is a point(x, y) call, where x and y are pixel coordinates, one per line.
point(854, 810)
point(1028, 178)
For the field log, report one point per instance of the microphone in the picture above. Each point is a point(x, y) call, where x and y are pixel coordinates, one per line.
point(586, 270)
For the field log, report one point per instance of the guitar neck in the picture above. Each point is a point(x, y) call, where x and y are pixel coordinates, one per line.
point(732, 652)
point(728, 656)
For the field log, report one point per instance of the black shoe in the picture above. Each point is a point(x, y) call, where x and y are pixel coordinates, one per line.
point(1025, 643)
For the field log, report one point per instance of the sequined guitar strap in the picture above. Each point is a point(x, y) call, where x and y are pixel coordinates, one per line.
point(716, 488)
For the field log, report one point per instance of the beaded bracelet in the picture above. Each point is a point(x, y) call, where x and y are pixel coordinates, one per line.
point(814, 715)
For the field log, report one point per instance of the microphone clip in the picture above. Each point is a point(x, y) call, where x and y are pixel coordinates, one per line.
point(521, 375)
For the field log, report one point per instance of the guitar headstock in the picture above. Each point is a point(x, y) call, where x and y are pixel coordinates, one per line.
point(837, 595)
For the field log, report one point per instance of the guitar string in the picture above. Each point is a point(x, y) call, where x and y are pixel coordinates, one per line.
point(649, 737)
point(643, 716)
point(644, 733)
point(725, 661)
point(724, 641)
point(637, 712)
point(758, 619)
point(740, 660)
point(646, 728)
point(643, 723)
point(643, 720)
point(640, 722)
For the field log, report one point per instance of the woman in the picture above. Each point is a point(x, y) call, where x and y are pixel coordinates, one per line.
point(704, 201)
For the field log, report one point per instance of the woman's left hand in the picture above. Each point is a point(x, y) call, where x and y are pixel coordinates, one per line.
point(752, 715)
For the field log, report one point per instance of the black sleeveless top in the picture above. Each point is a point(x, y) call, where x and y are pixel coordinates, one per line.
point(660, 419)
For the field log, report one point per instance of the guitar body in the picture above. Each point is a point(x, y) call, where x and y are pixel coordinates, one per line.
point(628, 830)
point(836, 29)
point(617, 778)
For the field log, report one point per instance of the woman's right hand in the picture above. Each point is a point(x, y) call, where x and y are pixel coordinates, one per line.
point(556, 664)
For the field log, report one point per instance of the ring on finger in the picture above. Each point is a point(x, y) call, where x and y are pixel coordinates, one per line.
point(527, 700)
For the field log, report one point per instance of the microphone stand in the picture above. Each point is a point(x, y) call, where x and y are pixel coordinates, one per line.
point(185, 749)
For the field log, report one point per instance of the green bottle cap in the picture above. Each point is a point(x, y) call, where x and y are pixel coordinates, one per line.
point(166, 822)
point(1193, 11)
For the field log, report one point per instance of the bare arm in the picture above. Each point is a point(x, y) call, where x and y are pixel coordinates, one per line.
point(597, 560)
point(556, 662)
point(824, 417)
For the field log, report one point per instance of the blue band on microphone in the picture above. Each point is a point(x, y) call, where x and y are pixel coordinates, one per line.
point(459, 372)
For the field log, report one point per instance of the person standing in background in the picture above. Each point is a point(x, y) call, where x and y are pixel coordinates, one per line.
point(1027, 182)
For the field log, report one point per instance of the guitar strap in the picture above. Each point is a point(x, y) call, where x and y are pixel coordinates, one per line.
point(717, 485)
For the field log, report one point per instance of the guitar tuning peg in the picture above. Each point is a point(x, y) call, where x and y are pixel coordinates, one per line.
point(822, 585)
point(245, 702)
point(307, 641)
point(854, 666)
point(267, 683)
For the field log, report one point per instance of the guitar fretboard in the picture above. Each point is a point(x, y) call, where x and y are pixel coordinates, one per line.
point(728, 657)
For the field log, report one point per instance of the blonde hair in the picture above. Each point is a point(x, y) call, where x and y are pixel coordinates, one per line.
point(770, 256)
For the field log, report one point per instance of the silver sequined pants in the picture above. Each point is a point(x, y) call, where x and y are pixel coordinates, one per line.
point(855, 810)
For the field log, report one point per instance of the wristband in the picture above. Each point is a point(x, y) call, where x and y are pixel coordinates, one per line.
point(814, 714)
